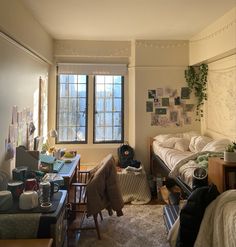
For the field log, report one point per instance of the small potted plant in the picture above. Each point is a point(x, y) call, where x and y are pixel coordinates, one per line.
point(230, 153)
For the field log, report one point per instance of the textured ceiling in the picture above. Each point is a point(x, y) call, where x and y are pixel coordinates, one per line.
point(126, 19)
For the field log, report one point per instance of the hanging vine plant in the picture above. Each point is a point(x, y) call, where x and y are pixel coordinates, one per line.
point(196, 78)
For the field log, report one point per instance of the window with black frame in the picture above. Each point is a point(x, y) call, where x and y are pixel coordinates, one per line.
point(108, 109)
point(72, 101)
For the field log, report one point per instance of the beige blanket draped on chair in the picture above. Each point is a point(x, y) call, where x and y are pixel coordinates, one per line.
point(103, 189)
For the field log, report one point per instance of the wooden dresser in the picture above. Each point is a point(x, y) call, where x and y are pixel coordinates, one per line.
point(222, 174)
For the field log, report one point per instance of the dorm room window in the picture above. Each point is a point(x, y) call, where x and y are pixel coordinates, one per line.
point(72, 101)
point(108, 109)
point(107, 85)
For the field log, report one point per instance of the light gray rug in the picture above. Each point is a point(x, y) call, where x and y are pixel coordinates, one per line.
point(141, 225)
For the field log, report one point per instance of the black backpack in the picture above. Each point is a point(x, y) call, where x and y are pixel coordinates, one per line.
point(125, 155)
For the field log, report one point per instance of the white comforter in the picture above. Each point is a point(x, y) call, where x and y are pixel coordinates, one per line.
point(185, 167)
point(218, 227)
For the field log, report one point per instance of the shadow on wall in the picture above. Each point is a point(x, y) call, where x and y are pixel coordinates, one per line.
point(5, 173)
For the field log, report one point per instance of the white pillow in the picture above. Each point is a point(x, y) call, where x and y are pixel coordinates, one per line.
point(182, 144)
point(190, 134)
point(162, 138)
point(170, 143)
point(197, 143)
point(217, 145)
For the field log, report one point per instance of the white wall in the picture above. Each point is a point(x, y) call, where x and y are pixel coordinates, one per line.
point(216, 45)
point(215, 41)
point(19, 80)
point(25, 54)
point(158, 64)
point(17, 22)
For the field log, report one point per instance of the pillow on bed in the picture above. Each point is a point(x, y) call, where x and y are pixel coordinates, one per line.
point(217, 145)
point(188, 135)
point(182, 144)
point(170, 143)
point(162, 138)
point(197, 143)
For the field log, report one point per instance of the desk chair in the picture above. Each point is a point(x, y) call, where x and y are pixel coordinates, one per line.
point(96, 190)
point(78, 204)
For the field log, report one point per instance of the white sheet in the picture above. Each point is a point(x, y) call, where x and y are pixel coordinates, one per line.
point(170, 156)
point(181, 164)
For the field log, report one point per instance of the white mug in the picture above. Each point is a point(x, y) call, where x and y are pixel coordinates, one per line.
point(28, 200)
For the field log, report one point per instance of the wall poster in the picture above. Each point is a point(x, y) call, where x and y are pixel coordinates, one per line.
point(170, 106)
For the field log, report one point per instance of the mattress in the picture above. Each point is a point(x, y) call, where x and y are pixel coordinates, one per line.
point(169, 155)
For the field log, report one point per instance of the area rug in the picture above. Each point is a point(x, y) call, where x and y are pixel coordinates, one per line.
point(141, 225)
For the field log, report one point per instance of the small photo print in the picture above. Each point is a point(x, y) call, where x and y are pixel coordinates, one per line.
point(149, 106)
point(165, 102)
point(154, 119)
point(174, 116)
point(187, 120)
point(157, 102)
point(177, 101)
point(160, 111)
point(151, 94)
point(185, 93)
point(159, 92)
point(189, 107)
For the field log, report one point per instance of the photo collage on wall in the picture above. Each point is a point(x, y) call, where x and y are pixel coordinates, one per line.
point(169, 106)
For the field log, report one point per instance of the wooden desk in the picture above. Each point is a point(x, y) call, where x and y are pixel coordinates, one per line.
point(69, 171)
point(26, 242)
point(45, 225)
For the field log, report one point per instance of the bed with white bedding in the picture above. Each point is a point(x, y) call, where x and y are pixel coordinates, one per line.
point(180, 154)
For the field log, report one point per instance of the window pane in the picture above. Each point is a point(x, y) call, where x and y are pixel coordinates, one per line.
point(62, 133)
point(108, 124)
point(82, 90)
point(100, 90)
point(117, 133)
point(64, 79)
point(100, 79)
point(108, 119)
point(117, 79)
point(72, 119)
point(73, 90)
point(109, 90)
point(64, 90)
point(72, 134)
point(117, 119)
point(63, 118)
point(100, 104)
point(72, 105)
point(117, 104)
point(82, 104)
point(117, 90)
point(108, 133)
point(99, 120)
point(82, 119)
point(100, 134)
point(72, 78)
point(81, 134)
point(108, 79)
point(108, 105)
point(63, 104)
point(82, 79)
